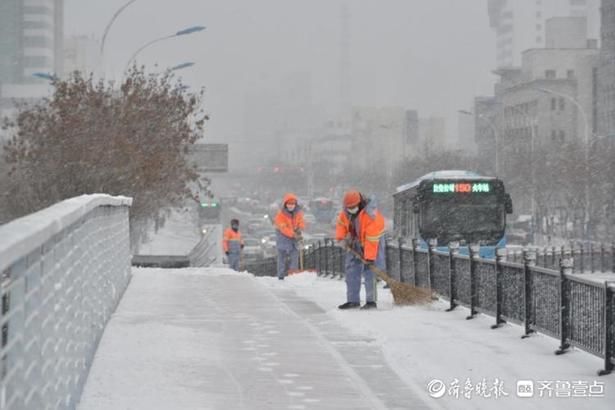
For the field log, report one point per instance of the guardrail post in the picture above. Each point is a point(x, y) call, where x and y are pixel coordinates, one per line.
point(591, 257)
point(400, 243)
point(564, 297)
point(529, 260)
point(431, 263)
point(317, 258)
point(609, 331)
point(601, 256)
point(415, 262)
point(500, 253)
point(582, 251)
point(553, 256)
point(473, 251)
point(326, 250)
point(453, 250)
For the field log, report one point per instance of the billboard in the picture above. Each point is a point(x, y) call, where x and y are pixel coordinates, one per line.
point(209, 157)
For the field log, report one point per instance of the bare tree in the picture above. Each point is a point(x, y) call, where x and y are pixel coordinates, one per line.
point(90, 137)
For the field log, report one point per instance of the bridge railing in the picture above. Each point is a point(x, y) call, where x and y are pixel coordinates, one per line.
point(578, 309)
point(64, 270)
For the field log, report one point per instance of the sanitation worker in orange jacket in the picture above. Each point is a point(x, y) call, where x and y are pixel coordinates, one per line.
point(233, 244)
point(361, 227)
point(289, 224)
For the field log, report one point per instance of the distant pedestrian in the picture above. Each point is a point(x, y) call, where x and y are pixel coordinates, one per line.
point(360, 227)
point(233, 244)
point(289, 225)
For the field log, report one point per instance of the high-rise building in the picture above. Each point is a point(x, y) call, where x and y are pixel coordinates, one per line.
point(520, 24)
point(606, 71)
point(31, 41)
point(31, 33)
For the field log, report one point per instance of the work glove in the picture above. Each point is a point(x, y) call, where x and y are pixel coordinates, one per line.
point(242, 245)
point(298, 234)
point(226, 253)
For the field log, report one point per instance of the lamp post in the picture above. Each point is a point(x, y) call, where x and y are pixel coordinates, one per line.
point(110, 24)
point(184, 32)
point(495, 134)
point(586, 125)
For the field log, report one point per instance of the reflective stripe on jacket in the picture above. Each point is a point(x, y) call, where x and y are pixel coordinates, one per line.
point(232, 241)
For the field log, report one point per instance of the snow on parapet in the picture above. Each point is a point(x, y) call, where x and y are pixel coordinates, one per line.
point(20, 237)
point(446, 174)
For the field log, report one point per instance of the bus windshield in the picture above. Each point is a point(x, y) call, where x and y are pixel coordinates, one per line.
point(454, 220)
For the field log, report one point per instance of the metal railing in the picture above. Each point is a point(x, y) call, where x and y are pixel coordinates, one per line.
point(64, 270)
point(575, 308)
point(589, 257)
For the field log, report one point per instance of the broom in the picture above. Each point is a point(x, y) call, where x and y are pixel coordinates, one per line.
point(403, 293)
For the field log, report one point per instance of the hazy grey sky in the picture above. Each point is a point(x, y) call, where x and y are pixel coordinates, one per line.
point(432, 55)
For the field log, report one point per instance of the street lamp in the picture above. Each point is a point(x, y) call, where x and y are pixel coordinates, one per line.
point(187, 31)
point(45, 76)
point(495, 134)
point(115, 16)
point(586, 124)
point(181, 66)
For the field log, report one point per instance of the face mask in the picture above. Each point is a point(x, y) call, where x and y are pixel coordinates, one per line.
point(290, 207)
point(235, 227)
point(353, 210)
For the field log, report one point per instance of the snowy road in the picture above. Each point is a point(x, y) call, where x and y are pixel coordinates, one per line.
point(212, 339)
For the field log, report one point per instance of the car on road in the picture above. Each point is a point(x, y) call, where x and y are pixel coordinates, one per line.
point(252, 249)
point(268, 243)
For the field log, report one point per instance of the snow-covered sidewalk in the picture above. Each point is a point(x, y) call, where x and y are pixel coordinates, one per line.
point(213, 339)
point(178, 236)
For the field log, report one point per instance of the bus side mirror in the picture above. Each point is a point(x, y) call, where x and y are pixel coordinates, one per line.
point(415, 208)
point(508, 205)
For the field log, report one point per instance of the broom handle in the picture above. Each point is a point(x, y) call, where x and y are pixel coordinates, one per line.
point(382, 274)
point(301, 255)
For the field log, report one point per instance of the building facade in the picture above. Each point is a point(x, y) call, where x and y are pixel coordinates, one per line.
point(551, 99)
point(31, 41)
point(606, 71)
point(81, 53)
point(521, 24)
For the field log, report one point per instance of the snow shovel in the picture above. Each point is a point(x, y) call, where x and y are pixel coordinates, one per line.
point(403, 293)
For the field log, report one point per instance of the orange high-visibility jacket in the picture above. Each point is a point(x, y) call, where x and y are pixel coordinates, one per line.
point(287, 223)
point(369, 229)
point(232, 241)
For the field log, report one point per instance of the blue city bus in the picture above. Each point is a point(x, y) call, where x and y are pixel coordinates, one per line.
point(209, 211)
point(453, 206)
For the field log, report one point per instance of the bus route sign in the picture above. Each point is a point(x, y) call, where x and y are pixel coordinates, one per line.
point(462, 187)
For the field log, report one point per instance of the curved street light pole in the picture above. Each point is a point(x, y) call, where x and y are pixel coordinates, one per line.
point(586, 124)
point(110, 24)
point(184, 32)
